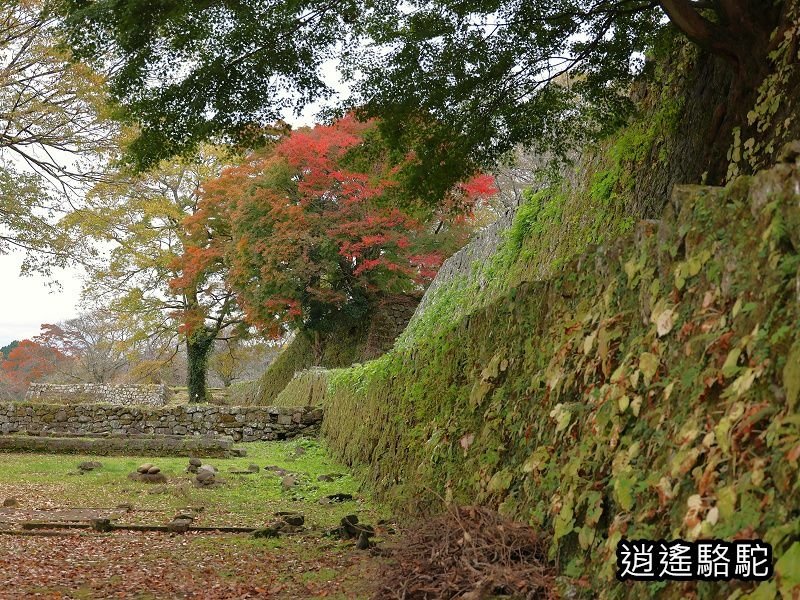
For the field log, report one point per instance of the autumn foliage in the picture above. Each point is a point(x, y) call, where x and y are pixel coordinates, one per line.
point(316, 227)
point(29, 362)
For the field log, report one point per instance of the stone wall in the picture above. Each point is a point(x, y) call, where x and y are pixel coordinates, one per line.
point(242, 423)
point(470, 261)
point(117, 394)
point(388, 321)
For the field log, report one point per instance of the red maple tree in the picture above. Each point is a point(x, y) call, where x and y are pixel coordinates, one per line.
point(29, 362)
point(313, 229)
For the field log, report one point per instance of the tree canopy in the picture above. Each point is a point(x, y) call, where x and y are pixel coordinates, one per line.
point(458, 82)
point(54, 134)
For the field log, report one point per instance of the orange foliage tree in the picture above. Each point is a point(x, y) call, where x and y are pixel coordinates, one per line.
point(30, 362)
point(317, 227)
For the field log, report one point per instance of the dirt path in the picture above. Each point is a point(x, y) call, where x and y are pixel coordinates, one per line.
point(162, 566)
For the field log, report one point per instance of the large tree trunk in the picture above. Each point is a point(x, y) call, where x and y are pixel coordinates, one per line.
point(740, 34)
point(198, 347)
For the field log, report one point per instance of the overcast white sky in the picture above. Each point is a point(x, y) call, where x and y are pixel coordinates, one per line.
point(27, 302)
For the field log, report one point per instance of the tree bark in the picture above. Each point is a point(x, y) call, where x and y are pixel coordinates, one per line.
point(198, 347)
point(740, 34)
point(709, 35)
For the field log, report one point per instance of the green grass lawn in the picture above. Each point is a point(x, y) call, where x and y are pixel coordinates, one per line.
point(53, 481)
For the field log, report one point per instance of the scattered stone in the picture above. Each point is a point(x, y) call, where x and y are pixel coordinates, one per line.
point(336, 498)
point(205, 477)
point(153, 470)
point(144, 468)
point(277, 470)
point(253, 468)
point(148, 477)
point(330, 477)
point(266, 532)
point(347, 527)
point(295, 520)
point(195, 462)
point(238, 452)
point(10, 502)
point(89, 465)
point(102, 525)
point(162, 489)
point(288, 482)
point(363, 542)
point(297, 452)
point(350, 529)
point(180, 524)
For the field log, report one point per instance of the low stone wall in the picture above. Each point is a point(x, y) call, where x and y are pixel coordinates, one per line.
point(158, 445)
point(242, 423)
point(117, 394)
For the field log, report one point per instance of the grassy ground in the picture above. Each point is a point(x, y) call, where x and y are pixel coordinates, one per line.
point(155, 565)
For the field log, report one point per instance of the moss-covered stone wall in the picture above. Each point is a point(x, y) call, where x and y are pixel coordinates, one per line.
point(649, 389)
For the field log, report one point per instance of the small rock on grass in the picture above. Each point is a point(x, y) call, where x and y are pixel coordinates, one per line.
point(266, 532)
point(335, 498)
point(288, 482)
point(205, 477)
point(363, 542)
point(295, 520)
point(350, 529)
point(102, 524)
point(144, 468)
point(10, 502)
point(89, 465)
point(296, 453)
point(180, 524)
point(147, 477)
point(277, 470)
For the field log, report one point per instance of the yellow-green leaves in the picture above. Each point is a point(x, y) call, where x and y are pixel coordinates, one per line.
point(500, 481)
point(787, 570)
point(663, 316)
point(648, 365)
point(791, 376)
point(730, 367)
point(562, 417)
point(537, 460)
point(690, 268)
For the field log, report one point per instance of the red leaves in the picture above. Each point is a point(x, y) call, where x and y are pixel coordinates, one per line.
point(29, 362)
point(314, 223)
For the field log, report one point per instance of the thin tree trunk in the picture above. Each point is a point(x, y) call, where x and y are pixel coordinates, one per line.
point(198, 347)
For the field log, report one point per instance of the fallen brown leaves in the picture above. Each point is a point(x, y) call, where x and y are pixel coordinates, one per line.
point(469, 553)
point(136, 565)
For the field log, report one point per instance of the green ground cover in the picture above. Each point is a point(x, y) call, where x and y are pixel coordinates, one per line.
point(124, 564)
point(47, 481)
